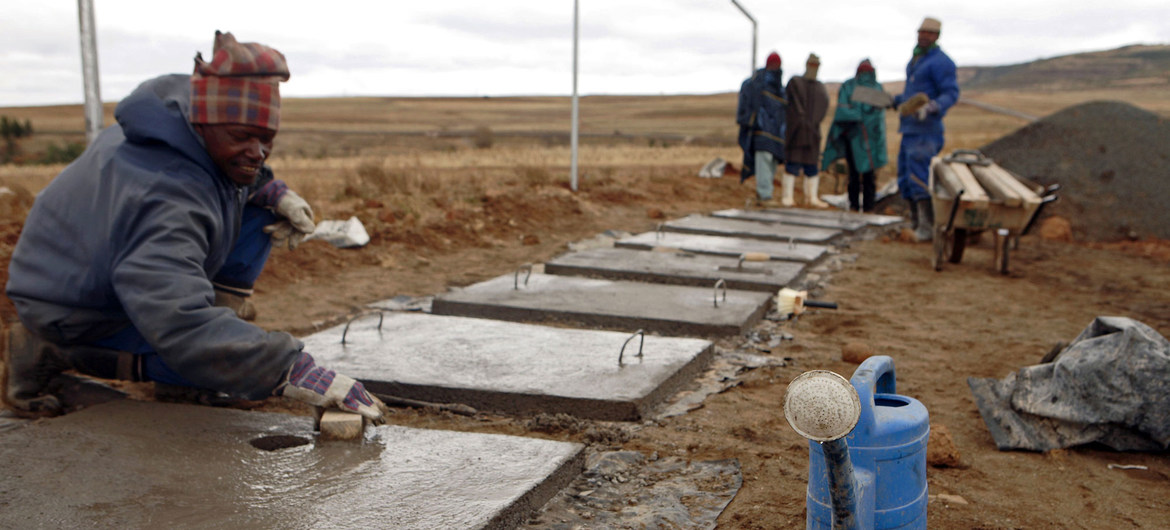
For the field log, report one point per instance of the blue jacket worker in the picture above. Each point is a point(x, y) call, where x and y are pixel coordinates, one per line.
point(124, 256)
point(760, 115)
point(931, 90)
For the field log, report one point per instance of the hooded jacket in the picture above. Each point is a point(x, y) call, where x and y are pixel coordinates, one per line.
point(131, 234)
point(932, 73)
point(808, 102)
point(860, 125)
point(760, 113)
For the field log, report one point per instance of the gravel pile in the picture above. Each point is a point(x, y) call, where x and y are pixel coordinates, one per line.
point(1112, 161)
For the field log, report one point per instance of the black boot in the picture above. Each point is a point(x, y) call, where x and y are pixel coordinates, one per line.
point(32, 363)
point(913, 215)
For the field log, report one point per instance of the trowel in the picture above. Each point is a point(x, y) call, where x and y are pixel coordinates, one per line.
point(748, 256)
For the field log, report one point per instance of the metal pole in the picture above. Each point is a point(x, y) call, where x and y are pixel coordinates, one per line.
point(89, 70)
point(755, 32)
point(576, 116)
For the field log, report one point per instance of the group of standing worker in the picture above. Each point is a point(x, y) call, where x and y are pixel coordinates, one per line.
point(784, 129)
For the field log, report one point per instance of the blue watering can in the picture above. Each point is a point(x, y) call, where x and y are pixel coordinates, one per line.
point(867, 448)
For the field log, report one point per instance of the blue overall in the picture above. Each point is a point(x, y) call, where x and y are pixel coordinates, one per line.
point(931, 73)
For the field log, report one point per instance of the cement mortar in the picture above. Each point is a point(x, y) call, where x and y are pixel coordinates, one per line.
point(723, 246)
point(130, 464)
point(510, 367)
point(677, 268)
point(720, 226)
point(667, 309)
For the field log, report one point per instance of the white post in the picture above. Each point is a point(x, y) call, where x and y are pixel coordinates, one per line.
point(89, 70)
point(573, 134)
point(754, 33)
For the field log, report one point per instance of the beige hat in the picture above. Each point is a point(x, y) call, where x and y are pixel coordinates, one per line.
point(931, 24)
point(813, 59)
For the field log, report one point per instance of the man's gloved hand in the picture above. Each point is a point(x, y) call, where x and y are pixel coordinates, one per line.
point(931, 107)
point(321, 387)
point(911, 106)
point(297, 222)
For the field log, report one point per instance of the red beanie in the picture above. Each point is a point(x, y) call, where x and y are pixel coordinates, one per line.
point(865, 66)
point(773, 60)
point(241, 84)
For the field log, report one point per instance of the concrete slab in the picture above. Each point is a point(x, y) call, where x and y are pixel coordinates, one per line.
point(871, 219)
point(723, 246)
point(679, 268)
point(730, 227)
point(510, 367)
point(131, 464)
point(666, 309)
point(793, 216)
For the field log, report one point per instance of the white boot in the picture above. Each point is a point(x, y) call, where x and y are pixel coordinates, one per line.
point(788, 184)
point(812, 186)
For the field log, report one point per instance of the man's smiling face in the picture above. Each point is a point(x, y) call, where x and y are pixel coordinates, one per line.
point(239, 150)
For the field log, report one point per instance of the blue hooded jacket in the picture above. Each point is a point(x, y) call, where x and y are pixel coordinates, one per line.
point(130, 234)
point(760, 113)
point(933, 74)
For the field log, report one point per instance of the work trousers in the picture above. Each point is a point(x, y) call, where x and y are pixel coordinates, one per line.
point(863, 184)
point(914, 164)
point(765, 173)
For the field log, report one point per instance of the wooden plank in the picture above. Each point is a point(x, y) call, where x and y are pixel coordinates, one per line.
point(947, 179)
point(974, 192)
point(1028, 196)
point(996, 187)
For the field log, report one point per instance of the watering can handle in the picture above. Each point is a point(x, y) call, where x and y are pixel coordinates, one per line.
point(874, 376)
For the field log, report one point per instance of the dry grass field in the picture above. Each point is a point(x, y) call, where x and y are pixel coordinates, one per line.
point(458, 190)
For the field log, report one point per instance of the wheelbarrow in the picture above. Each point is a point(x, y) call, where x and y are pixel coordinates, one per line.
point(971, 194)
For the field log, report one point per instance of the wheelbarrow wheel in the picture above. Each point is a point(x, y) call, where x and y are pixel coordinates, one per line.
point(956, 244)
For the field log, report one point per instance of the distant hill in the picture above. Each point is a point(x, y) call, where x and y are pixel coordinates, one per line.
point(1126, 66)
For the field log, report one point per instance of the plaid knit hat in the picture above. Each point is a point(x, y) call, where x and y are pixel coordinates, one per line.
point(241, 84)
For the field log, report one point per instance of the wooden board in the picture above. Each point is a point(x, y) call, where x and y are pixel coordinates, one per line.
point(996, 188)
point(1028, 196)
point(973, 191)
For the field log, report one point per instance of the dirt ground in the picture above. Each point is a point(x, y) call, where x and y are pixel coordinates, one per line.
point(940, 328)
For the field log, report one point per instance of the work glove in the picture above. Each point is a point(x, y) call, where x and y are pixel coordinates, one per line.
point(931, 107)
point(911, 106)
point(297, 222)
point(325, 388)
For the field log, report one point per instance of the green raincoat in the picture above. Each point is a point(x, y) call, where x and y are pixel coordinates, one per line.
point(860, 124)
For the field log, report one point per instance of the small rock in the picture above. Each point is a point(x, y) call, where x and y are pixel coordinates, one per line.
point(950, 499)
point(655, 213)
point(1056, 228)
point(940, 448)
point(856, 352)
point(530, 240)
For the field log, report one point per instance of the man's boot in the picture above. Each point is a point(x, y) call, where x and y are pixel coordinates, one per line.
point(236, 300)
point(788, 186)
point(31, 364)
point(913, 215)
point(925, 230)
point(812, 188)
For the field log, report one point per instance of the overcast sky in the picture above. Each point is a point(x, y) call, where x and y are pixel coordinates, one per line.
point(514, 47)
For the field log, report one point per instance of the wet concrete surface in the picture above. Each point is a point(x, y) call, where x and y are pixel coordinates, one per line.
point(130, 464)
point(871, 219)
point(795, 216)
point(627, 306)
point(724, 246)
point(678, 268)
point(730, 227)
point(510, 367)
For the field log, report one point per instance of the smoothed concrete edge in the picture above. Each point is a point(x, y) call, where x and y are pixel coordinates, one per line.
point(516, 513)
point(674, 328)
point(685, 374)
point(752, 235)
point(511, 402)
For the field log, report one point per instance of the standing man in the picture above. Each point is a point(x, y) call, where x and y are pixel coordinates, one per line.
point(118, 266)
point(808, 102)
point(931, 89)
point(858, 135)
point(760, 115)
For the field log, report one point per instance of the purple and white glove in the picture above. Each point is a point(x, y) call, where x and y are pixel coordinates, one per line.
point(322, 387)
point(297, 222)
point(931, 107)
